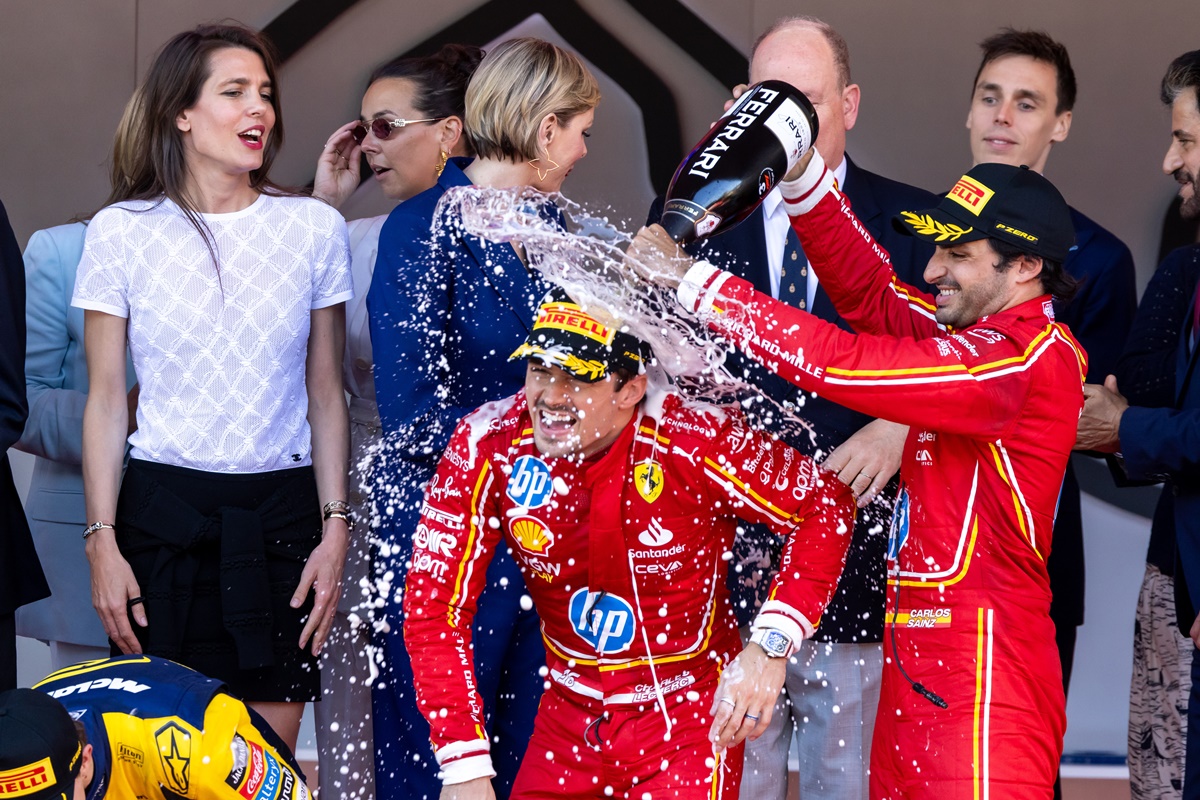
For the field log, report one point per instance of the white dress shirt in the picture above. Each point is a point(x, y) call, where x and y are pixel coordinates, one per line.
point(776, 225)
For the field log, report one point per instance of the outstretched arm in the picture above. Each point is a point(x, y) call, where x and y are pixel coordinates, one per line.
point(766, 481)
point(452, 548)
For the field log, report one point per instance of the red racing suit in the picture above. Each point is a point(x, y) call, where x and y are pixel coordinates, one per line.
point(624, 555)
point(992, 411)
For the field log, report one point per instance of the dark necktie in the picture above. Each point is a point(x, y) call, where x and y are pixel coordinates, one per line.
point(793, 277)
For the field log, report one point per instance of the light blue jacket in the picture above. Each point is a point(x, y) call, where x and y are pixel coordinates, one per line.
point(56, 381)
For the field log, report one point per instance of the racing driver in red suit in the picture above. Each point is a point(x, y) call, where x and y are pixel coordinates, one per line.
point(620, 509)
point(972, 702)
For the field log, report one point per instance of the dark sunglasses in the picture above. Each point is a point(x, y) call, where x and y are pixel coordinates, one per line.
point(382, 128)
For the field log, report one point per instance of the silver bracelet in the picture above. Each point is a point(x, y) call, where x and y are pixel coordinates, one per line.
point(96, 526)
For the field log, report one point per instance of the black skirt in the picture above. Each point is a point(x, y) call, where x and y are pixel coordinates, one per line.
point(217, 558)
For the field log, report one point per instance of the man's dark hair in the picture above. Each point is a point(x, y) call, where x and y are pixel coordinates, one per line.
point(1055, 280)
point(1183, 74)
point(1038, 46)
point(622, 376)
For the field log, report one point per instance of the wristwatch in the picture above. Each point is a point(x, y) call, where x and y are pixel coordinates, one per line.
point(776, 644)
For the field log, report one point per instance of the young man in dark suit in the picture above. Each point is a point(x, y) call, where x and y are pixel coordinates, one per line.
point(1159, 438)
point(832, 688)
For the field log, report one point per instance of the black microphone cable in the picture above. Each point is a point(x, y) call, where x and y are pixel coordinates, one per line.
point(916, 687)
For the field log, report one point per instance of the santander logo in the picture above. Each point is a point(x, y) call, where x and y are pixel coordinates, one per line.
point(655, 534)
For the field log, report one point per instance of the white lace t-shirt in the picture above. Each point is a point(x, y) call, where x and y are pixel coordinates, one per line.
point(220, 359)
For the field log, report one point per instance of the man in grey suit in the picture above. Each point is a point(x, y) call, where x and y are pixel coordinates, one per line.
point(56, 386)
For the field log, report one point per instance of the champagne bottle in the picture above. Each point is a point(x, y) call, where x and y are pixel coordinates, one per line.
point(741, 158)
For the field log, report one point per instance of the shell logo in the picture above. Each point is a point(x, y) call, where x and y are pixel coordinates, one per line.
point(531, 535)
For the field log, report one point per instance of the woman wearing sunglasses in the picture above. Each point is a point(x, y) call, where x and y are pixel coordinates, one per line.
point(446, 309)
point(222, 545)
point(412, 121)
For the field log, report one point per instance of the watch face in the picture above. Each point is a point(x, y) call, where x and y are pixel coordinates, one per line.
point(775, 643)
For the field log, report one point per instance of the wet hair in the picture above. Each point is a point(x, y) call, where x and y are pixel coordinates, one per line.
point(621, 376)
point(148, 155)
point(1055, 279)
point(837, 42)
point(1183, 74)
point(1038, 46)
point(517, 84)
point(440, 79)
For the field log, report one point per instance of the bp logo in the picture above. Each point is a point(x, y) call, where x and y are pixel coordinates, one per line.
point(530, 484)
point(899, 532)
point(603, 620)
point(648, 477)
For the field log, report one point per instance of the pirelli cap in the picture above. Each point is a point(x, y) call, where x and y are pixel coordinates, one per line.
point(40, 753)
point(998, 201)
point(565, 335)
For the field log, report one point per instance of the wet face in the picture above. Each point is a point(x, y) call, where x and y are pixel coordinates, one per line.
point(575, 418)
point(567, 145)
point(968, 283)
point(1012, 118)
point(225, 132)
point(802, 57)
point(405, 163)
point(1183, 156)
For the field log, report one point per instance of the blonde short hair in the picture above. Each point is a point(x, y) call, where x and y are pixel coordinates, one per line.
point(518, 83)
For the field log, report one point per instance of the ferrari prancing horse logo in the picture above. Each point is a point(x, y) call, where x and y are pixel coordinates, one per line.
point(648, 476)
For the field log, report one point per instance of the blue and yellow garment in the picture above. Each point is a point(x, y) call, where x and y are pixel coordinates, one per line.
point(161, 730)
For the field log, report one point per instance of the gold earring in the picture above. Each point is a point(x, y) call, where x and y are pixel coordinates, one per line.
point(536, 164)
point(443, 157)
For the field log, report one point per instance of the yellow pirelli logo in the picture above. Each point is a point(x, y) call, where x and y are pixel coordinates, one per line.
point(920, 618)
point(570, 317)
point(970, 194)
point(26, 780)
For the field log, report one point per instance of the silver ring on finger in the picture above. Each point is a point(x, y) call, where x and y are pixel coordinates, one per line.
point(751, 716)
point(727, 700)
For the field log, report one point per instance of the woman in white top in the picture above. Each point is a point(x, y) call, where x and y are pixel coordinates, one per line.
point(222, 546)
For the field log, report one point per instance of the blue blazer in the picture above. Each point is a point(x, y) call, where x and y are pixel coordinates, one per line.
point(1100, 316)
point(1163, 443)
point(21, 579)
point(446, 310)
point(743, 251)
point(1103, 309)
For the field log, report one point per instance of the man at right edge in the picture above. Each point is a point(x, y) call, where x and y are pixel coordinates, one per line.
point(972, 703)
